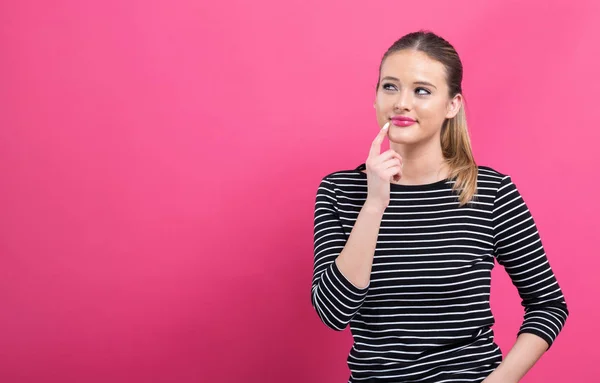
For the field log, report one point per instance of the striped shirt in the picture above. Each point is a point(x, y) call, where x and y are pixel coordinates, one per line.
point(425, 315)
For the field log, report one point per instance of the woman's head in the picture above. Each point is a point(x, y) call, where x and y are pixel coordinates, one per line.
point(420, 77)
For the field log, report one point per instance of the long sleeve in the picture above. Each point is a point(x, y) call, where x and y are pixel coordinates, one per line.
point(335, 299)
point(519, 250)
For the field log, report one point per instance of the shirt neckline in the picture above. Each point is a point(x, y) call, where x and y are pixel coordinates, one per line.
point(428, 186)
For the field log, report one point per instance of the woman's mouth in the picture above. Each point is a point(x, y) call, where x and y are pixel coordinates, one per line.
point(402, 121)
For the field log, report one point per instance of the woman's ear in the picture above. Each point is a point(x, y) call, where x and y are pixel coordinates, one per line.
point(454, 106)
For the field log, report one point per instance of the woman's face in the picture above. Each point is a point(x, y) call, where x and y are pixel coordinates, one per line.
point(413, 85)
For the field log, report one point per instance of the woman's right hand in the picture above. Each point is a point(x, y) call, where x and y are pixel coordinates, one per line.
point(382, 168)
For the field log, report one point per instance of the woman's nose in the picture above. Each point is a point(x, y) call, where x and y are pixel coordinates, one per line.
point(404, 100)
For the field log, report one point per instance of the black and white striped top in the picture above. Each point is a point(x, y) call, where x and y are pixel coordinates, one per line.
point(425, 316)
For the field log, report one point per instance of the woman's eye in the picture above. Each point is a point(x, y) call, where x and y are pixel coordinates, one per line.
point(388, 86)
point(422, 91)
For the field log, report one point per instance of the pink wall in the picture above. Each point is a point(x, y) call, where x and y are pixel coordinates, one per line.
point(159, 162)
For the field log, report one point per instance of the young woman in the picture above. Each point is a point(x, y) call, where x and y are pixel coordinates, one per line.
point(404, 244)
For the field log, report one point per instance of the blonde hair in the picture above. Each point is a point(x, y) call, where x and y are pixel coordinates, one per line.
point(455, 141)
point(456, 148)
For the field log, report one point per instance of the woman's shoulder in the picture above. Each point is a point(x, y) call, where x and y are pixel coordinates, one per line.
point(491, 174)
point(350, 174)
point(494, 181)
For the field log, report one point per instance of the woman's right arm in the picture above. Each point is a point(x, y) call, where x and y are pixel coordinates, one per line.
point(342, 266)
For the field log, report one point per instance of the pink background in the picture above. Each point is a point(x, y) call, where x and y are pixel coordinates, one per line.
point(159, 162)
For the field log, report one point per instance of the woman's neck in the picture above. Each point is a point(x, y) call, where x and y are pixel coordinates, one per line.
point(421, 165)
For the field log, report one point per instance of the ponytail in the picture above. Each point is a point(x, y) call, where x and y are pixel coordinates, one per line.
point(456, 147)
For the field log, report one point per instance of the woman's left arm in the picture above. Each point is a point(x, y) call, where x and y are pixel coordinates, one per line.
point(518, 248)
point(526, 351)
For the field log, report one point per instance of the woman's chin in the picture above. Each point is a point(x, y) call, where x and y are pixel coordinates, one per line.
point(401, 138)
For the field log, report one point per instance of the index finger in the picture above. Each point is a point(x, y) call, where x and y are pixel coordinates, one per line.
point(376, 145)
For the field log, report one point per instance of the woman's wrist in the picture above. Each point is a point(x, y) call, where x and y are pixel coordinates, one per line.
point(501, 375)
point(374, 206)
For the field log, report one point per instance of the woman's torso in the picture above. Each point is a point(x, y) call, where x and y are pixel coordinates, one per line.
point(427, 312)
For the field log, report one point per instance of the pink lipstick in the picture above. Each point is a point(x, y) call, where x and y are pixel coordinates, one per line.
point(402, 121)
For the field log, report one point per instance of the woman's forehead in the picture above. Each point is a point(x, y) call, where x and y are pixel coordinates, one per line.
point(408, 65)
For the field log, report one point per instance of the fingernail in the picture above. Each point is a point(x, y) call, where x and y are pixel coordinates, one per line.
point(387, 125)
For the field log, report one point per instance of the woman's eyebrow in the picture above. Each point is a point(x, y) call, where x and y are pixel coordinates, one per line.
point(390, 78)
point(425, 83)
